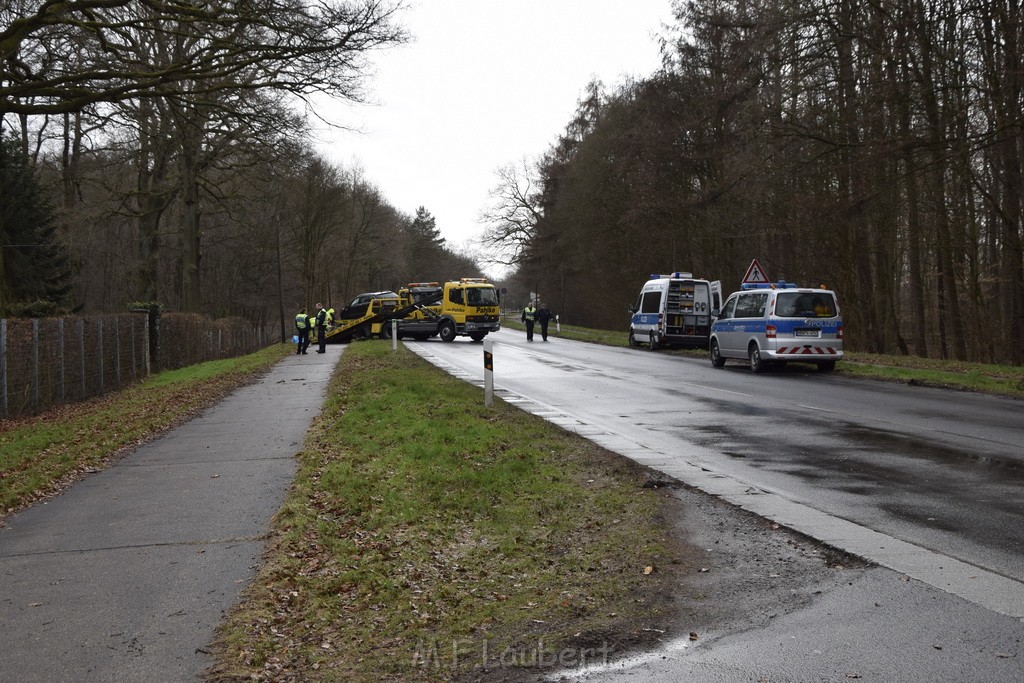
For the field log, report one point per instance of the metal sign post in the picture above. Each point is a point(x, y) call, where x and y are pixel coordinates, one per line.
point(488, 373)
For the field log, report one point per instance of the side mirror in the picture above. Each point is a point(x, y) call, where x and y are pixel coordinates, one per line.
point(715, 312)
point(631, 308)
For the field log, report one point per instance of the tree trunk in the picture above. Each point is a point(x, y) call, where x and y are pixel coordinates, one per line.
point(152, 199)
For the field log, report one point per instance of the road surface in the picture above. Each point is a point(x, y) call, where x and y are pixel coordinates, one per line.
point(929, 482)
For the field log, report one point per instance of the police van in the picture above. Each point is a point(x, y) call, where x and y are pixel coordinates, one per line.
point(768, 324)
point(674, 310)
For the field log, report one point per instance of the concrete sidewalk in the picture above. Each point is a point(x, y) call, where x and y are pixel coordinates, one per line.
point(125, 576)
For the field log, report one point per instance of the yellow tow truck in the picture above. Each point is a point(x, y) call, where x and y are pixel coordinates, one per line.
point(466, 307)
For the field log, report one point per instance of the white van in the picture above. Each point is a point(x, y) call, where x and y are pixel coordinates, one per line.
point(674, 310)
point(771, 324)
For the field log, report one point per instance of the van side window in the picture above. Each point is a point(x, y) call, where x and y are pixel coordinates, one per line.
point(751, 305)
point(727, 312)
point(650, 302)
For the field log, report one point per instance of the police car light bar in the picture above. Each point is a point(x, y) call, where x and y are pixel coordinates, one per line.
point(674, 276)
point(781, 284)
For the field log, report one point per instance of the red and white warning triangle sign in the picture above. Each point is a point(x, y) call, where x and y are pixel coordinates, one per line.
point(756, 275)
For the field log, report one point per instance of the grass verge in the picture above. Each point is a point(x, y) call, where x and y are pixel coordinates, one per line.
point(429, 538)
point(1003, 380)
point(43, 455)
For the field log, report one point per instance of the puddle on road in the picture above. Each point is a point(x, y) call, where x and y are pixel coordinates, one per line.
point(886, 441)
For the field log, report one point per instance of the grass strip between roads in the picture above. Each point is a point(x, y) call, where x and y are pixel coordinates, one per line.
point(1004, 380)
point(427, 537)
point(43, 455)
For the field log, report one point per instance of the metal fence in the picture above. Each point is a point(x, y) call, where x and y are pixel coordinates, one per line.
point(52, 361)
point(188, 338)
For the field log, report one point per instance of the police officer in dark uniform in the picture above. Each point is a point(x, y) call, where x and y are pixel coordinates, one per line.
point(302, 324)
point(543, 317)
point(321, 328)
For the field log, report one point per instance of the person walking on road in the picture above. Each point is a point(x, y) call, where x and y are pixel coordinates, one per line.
point(529, 315)
point(321, 328)
point(543, 317)
point(302, 324)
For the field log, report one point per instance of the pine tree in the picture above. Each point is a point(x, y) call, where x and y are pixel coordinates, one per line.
point(425, 231)
point(34, 263)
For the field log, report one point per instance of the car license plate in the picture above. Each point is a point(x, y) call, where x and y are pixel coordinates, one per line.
point(806, 333)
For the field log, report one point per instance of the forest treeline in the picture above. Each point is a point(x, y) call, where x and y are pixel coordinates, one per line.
point(169, 151)
point(875, 147)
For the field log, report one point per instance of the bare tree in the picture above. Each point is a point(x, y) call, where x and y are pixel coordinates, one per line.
point(58, 57)
point(510, 221)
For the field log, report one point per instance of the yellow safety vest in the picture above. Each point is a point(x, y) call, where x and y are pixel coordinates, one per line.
point(302, 321)
point(529, 312)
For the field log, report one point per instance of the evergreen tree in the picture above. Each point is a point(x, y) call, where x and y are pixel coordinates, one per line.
point(426, 249)
point(425, 230)
point(34, 264)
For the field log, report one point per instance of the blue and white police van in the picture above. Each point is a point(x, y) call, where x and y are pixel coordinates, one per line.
point(767, 324)
point(673, 310)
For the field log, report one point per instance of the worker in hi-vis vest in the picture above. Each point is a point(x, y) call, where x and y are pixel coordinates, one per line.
point(302, 324)
point(529, 316)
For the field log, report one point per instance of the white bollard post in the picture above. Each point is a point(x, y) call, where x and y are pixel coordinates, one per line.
point(558, 323)
point(394, 334)
point(488, 373)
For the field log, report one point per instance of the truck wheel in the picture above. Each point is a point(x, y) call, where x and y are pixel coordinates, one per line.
point(477, 336)
point(633, 343)
point(385, 330)
point(447, 331)
point(826, 366)
point(757, 364)
point(716, 355)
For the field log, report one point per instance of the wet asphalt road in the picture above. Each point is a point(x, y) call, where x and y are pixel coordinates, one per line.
point(942, 470)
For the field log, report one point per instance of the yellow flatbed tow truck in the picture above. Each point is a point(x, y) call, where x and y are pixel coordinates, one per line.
point(465, 307)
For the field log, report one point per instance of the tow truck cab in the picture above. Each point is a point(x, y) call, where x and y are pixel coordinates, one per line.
point(464, 307)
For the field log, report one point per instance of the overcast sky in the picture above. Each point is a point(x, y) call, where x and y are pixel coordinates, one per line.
point(485, 83)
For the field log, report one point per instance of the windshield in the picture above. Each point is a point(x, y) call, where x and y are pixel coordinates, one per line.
point(805, 305)
point(481, 296)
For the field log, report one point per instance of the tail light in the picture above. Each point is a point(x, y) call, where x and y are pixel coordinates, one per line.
point(769, 331)
point(839, 332)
